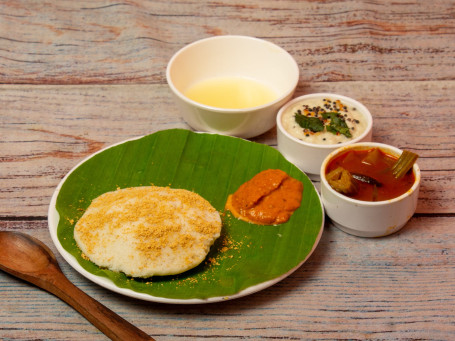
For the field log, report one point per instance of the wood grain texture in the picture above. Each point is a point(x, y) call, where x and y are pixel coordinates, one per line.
point(68, 42)
point(77, 76)
point(394, 288)
point(29, 259)
point(47, 130)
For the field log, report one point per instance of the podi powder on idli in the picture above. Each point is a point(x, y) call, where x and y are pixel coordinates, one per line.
point(148, 231)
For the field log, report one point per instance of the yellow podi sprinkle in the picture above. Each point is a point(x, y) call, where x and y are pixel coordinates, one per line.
point(146, 231)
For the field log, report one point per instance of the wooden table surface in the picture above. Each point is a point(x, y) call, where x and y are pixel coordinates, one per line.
point(76, 76)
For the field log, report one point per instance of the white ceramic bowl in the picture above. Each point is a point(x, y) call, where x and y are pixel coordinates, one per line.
point(227, 57)
point(367, 218)
point(309, 156)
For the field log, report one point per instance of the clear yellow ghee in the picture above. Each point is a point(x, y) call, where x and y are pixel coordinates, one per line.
point(231, 93)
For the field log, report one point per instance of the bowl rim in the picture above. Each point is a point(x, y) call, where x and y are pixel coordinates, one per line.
point(289, 91)
point(358, 104)
point(366, 145)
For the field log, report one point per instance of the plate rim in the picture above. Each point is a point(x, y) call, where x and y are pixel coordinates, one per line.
point(54, 218)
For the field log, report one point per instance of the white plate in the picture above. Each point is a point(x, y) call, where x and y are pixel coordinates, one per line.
point(53, 220)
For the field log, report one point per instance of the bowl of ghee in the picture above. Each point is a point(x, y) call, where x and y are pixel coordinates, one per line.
point(232, 85)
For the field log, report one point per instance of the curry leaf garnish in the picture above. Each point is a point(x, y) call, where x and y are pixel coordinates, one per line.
point(337, 124)
point(311, 123)
point(366, 179)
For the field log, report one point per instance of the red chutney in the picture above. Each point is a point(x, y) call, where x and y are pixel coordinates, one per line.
point(376, 164)
point(269, 198)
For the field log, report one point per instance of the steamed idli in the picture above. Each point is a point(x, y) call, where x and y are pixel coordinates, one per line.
point(148, 231)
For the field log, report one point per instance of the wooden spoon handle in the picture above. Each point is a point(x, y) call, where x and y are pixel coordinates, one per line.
point(111, 324)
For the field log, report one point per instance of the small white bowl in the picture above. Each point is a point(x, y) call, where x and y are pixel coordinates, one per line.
point(226, 57)
point(309, 156)
point(368, 218)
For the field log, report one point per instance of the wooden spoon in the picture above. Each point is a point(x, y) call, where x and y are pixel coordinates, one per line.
point(29, 259)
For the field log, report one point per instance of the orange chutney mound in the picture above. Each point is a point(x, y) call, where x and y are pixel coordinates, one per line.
point(269, 198)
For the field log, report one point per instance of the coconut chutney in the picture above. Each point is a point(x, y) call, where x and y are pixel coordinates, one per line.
point(324, 121)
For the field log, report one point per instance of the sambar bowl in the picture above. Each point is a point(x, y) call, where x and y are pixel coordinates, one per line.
point(368, 218)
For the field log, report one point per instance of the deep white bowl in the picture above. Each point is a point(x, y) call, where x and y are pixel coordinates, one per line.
point(368, 218)
point(309, 156)
point(232, 56)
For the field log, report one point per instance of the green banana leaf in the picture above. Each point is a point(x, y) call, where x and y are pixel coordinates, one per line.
point(213, 166)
